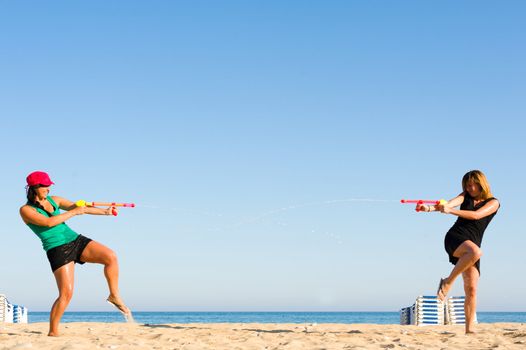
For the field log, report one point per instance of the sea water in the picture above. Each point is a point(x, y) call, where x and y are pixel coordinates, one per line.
point(145, 317)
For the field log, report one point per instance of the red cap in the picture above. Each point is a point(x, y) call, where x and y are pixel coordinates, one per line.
point(39, 178)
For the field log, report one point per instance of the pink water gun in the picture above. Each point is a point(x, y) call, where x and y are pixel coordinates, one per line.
point(423, 201)
point(83, 203)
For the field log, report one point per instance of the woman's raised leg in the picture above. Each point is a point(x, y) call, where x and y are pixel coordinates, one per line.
point(468, 253)
point(100, 254)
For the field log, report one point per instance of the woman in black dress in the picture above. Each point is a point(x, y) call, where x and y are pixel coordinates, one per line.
point(464, 238)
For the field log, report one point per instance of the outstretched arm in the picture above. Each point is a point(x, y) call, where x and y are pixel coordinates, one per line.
point(489, 208)
point(66, 204)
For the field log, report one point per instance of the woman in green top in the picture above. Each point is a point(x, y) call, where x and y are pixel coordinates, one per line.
point(64, 247)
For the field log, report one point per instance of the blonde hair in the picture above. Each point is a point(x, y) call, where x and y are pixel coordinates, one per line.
point(480, 179)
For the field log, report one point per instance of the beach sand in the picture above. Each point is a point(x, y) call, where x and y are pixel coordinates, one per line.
point(91, 335)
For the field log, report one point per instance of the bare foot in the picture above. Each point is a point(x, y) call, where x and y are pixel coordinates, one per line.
point(119, 304)
point(52, 334)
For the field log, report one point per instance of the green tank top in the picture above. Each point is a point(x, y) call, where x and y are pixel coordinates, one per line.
point(52, 237)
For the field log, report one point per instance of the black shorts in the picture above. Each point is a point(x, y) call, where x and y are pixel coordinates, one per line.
point(66, 253)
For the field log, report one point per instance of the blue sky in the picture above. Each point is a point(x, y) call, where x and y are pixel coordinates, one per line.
point(249, 133)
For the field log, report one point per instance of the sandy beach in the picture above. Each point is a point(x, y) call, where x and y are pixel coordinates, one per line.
point(76, 336)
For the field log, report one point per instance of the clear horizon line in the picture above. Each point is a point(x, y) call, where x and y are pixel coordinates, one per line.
point(223, 311)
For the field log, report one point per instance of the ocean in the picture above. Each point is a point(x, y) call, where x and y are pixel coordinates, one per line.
point(145, 317)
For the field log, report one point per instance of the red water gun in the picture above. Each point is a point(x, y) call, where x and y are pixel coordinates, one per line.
point(83, 203)
point(423, 201)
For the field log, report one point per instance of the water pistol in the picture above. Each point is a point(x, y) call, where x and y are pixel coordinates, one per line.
point(83, 203)
point(423, 201)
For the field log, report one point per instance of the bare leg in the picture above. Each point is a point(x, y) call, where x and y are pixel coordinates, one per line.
point(468, 253)
point(64, 276)
point(100, 254)
point(471, 277)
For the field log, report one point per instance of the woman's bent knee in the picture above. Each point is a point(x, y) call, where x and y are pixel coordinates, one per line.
point(477, 253)
point(111, 257)
point(468, 248)
point(473, 251)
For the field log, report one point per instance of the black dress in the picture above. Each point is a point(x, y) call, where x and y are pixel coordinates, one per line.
point(464, 229)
